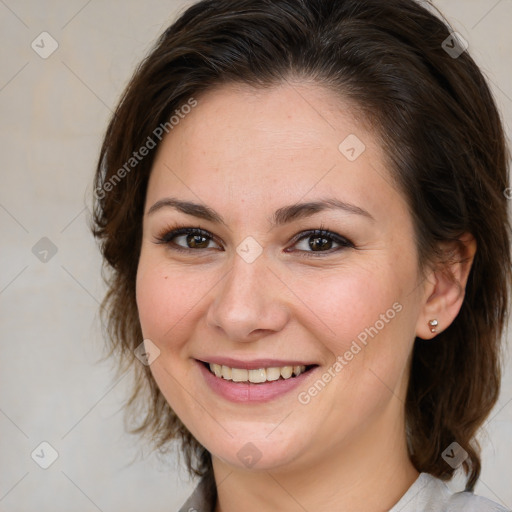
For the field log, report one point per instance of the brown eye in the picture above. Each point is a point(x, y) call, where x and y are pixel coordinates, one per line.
point(196, 241)
point(188, 239)
point(320, 241)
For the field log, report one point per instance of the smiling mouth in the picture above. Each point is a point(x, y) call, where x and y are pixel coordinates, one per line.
point(257, 376)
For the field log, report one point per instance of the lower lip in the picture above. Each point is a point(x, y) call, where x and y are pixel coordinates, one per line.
point(248, 391)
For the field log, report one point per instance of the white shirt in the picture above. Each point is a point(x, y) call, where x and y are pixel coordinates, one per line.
point(429, 494)
point(426, 494)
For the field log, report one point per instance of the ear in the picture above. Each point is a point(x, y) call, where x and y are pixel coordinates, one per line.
point(446, 285)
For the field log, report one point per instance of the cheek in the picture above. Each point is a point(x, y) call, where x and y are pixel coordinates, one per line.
point(349, 301)
point(168, 302)
point(167, 298)
point(367, 329)
point(152, 299)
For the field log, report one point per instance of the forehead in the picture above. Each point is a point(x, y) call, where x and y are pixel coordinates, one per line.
point(272, 145)
point(238, 122)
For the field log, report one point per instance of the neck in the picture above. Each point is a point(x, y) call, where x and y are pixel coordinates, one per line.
point(370, 473)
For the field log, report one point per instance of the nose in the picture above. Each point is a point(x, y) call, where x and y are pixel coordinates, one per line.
point(249, 303)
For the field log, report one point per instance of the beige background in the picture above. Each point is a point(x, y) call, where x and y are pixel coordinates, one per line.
point(52, 115)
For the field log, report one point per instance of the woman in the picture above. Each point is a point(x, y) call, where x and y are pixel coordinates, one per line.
point(302, 206)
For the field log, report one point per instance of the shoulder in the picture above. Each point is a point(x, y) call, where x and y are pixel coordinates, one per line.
point(429, 494)
point(468, 502)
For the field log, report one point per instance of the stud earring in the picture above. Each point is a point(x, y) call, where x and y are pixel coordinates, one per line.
point(433, 324)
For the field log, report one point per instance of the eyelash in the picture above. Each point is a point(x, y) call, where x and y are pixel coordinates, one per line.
point(172, 232)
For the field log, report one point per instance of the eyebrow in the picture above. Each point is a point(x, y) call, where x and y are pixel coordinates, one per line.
point(282, 216)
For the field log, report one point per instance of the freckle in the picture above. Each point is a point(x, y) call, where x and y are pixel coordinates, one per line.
point(166, 277)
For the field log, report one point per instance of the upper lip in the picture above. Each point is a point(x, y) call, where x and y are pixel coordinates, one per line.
point(255, 364)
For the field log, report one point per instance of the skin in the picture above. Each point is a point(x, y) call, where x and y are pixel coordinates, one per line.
point(245, 153)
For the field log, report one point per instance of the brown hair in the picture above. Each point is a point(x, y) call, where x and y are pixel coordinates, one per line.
point(444, 139)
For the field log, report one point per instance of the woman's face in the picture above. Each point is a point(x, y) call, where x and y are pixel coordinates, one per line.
point(258, 290)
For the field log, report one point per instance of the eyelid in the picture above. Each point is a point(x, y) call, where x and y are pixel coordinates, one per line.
point(171, 232)
point(342, 241)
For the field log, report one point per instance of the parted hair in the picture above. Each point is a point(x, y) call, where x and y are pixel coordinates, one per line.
point(443, 137)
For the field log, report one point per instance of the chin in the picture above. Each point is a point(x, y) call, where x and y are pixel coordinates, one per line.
point(256, 453)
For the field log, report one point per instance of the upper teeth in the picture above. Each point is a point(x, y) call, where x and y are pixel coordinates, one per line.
point(255, 376)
